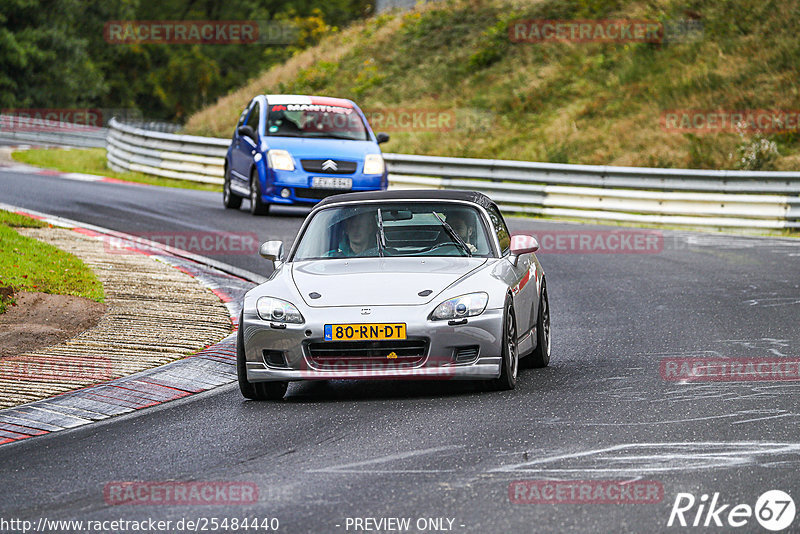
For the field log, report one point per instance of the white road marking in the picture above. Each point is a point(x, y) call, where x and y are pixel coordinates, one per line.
point(626, 460)
point(353, 467)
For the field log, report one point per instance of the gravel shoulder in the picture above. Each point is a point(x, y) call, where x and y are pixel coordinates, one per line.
point(154, 314)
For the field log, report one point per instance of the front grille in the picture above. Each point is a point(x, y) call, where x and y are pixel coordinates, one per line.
point(336, 354)
point(317, 194)
point(336, 167)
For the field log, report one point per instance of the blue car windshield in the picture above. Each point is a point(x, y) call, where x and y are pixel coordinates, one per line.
point(315, 121)
point(395, 229)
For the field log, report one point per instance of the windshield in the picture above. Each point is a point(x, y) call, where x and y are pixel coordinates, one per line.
point(315, 120)
point(396, 229)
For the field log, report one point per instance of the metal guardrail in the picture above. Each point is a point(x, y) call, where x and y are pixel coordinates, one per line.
point(183, 157)
point(744, 199)
point(20, 130)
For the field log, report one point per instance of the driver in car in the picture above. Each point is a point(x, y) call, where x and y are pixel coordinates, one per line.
point(464, 226)
point(360, 236)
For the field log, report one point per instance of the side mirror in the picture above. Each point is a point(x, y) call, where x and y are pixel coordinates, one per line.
point(246, 131)
point(382, 137)
point(272, 251)
point(522, 244)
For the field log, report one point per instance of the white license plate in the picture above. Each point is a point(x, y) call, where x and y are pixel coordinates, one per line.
point(329, 182)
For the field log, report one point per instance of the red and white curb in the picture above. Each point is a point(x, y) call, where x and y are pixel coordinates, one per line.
point(212, 367)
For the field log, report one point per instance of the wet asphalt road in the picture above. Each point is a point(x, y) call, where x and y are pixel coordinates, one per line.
point(351, 449)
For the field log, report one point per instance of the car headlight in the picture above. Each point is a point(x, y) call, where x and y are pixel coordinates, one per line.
point(460, 307)
point(373, 164)
point(280, 160)
point(270, 309)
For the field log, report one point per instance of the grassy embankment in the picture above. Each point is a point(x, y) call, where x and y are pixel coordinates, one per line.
point(27, 264)
point(590, 103)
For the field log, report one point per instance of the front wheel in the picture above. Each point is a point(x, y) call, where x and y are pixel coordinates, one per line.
point(257, 206)
point(230, 200)
point(259, 391)
point(510, 354)
point(541, 354)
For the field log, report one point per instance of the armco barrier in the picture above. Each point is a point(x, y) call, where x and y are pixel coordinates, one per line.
point(19, 130)
point(744, 199)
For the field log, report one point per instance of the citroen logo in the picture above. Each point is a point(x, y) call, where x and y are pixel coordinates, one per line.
point(329, 165)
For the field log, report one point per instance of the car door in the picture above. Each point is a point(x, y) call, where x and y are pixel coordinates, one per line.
point(245, 148)
point(524, 276)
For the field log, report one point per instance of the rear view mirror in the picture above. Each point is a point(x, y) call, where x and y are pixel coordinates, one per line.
point(272, 251)
point(246, 131)
point(397, 215)
point(522, 244)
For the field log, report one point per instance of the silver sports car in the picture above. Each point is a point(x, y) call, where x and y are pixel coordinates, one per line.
point(400, 285)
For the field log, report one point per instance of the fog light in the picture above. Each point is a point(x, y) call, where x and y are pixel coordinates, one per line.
point(285, 193)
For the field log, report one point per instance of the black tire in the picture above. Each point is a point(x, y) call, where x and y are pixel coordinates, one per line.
point(230, 200)
point(510, 354)
point(259, 391)
point(257, 206)
point(540, 357)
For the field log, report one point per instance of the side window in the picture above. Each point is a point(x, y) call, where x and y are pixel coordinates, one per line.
point(500, 228)
point(252, 120)
point(242, 117)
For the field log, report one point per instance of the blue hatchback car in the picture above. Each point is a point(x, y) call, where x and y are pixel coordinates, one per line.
point(294, 149)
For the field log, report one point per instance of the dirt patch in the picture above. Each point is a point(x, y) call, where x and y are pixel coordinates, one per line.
point(40, 320)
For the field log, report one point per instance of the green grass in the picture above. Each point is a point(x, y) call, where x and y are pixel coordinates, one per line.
point(27, 264)
point(16, 220)
point(586, 103)
point(93, 161)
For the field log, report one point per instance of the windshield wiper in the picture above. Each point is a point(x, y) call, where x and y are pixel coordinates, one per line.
point(381, 235)
point(453, 235)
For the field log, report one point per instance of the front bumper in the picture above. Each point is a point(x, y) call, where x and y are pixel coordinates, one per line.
point(275, 353)
point(298, 183)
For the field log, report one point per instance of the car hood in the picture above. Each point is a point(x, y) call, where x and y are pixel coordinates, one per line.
point(323, 148)
point(379, 281)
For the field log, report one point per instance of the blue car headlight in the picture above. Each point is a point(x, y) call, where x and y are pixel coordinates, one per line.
point(461, 307)
point(373, 164)
point(280, 160)
point(271, 309)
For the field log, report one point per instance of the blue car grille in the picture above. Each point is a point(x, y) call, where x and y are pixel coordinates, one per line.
point(334, 167)
point(317, 194)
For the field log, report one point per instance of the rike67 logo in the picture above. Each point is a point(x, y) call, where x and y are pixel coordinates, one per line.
point(774, 510)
